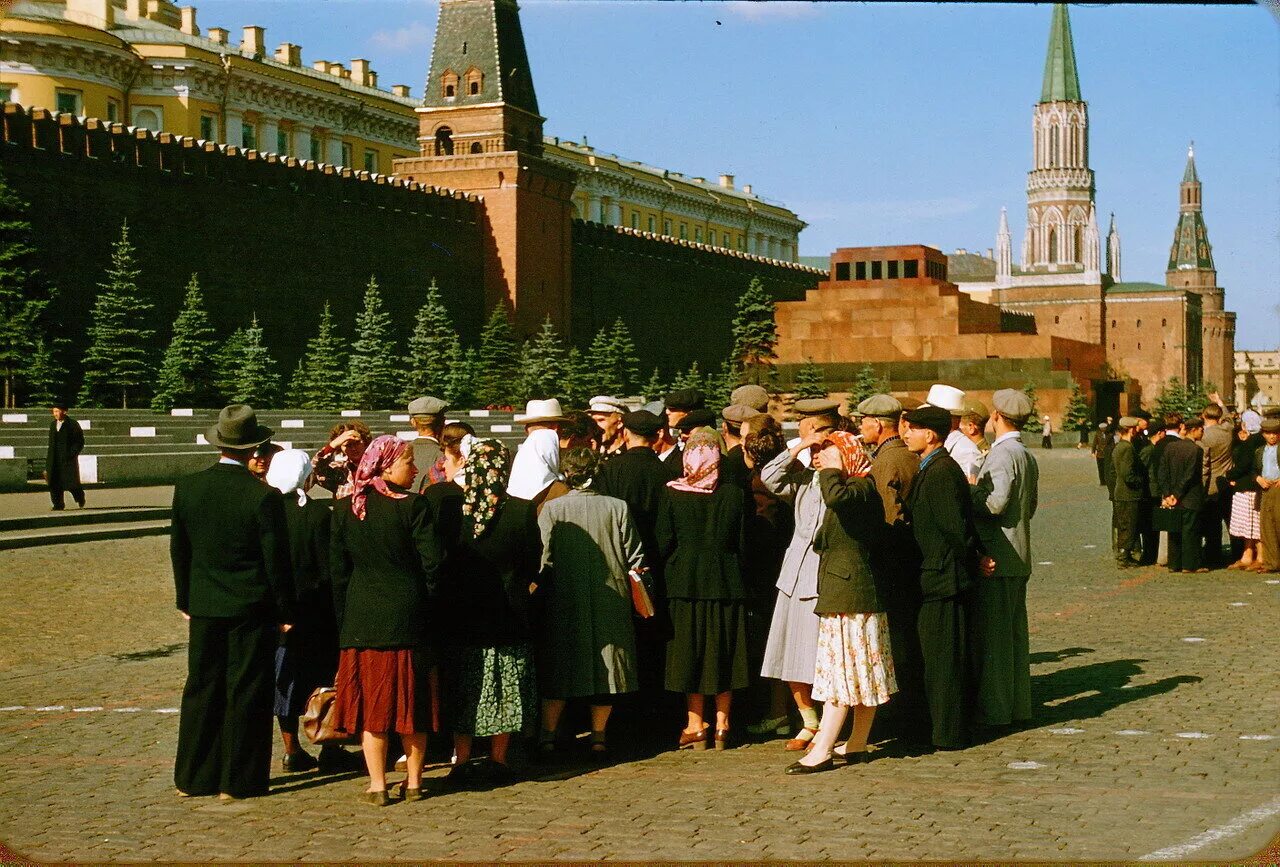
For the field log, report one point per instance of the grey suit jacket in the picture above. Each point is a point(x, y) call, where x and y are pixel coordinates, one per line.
point(1216, 444)
point(798, 485)
point(1004, 501)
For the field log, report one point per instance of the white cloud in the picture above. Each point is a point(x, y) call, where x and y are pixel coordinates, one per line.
point(411, 36)
point(770, 10)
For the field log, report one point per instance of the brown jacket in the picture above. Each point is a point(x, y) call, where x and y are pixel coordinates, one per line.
point(893, 466)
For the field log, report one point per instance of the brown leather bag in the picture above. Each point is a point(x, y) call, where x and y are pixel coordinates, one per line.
point(318, 718)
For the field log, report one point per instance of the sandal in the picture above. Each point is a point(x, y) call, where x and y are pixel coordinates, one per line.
point(408, 794)
point(801, 741)
point(693, 740)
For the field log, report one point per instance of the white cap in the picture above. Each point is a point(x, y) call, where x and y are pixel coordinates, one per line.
point(947, 397)
point(606, 403)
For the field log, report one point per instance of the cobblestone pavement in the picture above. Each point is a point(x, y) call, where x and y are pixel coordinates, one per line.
point(1156, 732)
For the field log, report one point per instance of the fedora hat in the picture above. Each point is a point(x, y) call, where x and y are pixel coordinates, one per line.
point(541, 412)
point(237, 428)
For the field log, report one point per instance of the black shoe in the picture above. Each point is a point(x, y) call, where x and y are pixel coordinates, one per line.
point(299, 761)
point(497, 773)
point(333, 760)
point(857, 758)
point(797, 768)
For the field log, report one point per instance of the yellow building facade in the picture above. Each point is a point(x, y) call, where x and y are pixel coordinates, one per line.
point(148, 64)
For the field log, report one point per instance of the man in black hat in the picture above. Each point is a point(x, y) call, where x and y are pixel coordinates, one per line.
point(941, 514)
point(231, 568)
point(62, 460)
point(680, 403)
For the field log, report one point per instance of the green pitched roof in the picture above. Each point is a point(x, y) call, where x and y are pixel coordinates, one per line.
point(1190, 248)
point(1061, 81)
point(1138, 286)
point(486, 35)
point(1189, 176)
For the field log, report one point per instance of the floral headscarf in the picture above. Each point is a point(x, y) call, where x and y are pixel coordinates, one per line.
point(701, 469)
point(484, 482)
point(853, 457)
point(381, 453)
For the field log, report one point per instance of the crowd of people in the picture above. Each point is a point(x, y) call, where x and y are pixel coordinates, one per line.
point(872, 570)
point(1175, 482)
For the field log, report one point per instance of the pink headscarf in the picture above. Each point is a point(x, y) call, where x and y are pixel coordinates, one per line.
point(853, 457)
point(701, 470)
point(381, 453)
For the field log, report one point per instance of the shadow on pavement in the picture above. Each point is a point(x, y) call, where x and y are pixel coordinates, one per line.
point(1089, 691)
point(1059, 655)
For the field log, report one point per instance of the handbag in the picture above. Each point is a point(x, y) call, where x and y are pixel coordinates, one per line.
point(1166, 520)
point(640, 598)
point(318, 718)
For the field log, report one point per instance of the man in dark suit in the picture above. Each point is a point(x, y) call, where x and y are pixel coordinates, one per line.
point(1130, 492)
point(231, 569)
point(1180, 478)
point(941, 514)
point(62, 461)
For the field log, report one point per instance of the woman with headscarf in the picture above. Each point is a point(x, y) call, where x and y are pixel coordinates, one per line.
point(1245, 526)
point(535, 472)
point(854, 666)
point(587, 643)
point(336, 462)
point(307, 656)
point(702, 537)
point(492, 565)
point(385, 562)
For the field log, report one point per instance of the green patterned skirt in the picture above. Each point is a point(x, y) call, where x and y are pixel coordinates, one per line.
point(492, 690)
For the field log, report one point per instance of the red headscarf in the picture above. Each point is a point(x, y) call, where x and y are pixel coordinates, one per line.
point(381, 453)
point(853, 457)
point(701, 470)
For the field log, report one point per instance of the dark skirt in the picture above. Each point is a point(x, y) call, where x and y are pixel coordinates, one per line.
point(382, 691)
point(492, 690)
point(708, 652)
point(306, 658)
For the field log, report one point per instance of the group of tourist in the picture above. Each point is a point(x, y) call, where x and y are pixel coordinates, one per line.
point(877, 560)
point(1184, 479)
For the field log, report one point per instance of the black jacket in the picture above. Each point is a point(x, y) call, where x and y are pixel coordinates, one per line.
point(386, 570)
point(941, 514)
point(1181, 473)
point(308, 530)
point(1131, 484)
point(850, 539)
point(229, 546)
point(1244, 473)
point(62, 464)
point(639, 478)
point(485, 584)
point(702, 538)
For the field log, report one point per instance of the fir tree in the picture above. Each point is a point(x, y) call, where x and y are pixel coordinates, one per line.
point(44, 378)
point(226, 365)
point(542, 363)
point(118, 360)
point(187, 372)
point(865, 384)
point(623, 356)
point(578, 379)
point(374, 366)
point(655, 387)
point(719, 386)
point(691, 378)
point(497, 360)
point(258, 383)
point(1033, 425)
point(1173, 398)
point(324, 368)
point(605, 377)
point(297, 394)
point(23, 300)
point(755, 334)
point(809, 382)
point(1197, 399)
point(460, 387)
point(1078, 416)
point(433, 345)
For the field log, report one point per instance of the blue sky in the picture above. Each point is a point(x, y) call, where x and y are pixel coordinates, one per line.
point(891, 123)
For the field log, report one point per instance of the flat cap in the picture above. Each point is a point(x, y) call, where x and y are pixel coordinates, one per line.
point(737, 413)
point(930, 417)
point(909, 402)
point(880, 406)
point(1128, 421)
point(697, 418)
point(975, 409)
point(427, 406)
point(1270, 424)
point(657, 407)
point(751, 395)
point(816, 406)
point(1012, 404)
point(643, 422)
point(606, 403)
point(685, 400)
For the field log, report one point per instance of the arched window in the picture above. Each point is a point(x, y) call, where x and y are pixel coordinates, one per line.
point(1053, 245)
point(1053, 145)
point(1077, 243)
point(476, 147)
point(444, 142)
point(147, 118)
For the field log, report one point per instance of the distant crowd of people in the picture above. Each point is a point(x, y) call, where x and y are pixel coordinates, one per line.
point(1176, 482)
point(874, 561)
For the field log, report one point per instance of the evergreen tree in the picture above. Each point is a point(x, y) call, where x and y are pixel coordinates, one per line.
point(623, 356)
point(865, 384)
point(691, 378)
point(1173, 398)
point(655, 387)
point(374, 366)
point(44, 378)
point(809, 382)
point(1078, 416)
point(542, 363)
point(23, 300)
point(324, 377)
point(719, 386)
point(1197, 399)
point(755, 334)
point(187, 372)
point(497, 360)
point(1033, 425)
point(297, 394)
point(433, 345)
point(226, 365)
point(604, 376)
point(460, 386)
point(118, 360)
point(258, 383)
point(579, 379)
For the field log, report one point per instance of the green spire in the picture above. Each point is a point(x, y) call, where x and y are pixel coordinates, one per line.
point(1190, 176)
point(1061, 81)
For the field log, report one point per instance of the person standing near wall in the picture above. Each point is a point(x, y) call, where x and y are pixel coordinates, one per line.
point(62, 461)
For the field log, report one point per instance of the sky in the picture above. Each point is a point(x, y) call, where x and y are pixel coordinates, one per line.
point(891, 123)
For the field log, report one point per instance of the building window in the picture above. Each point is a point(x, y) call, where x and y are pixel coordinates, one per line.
point(444, 142)
point(859, 270)
point(653, 223)
point(697, 234)
point(1113, 323)
point(476, 147)
point(282, 142)
point(1139, 323)
point(911, 268)
point(248, 136)
point(1164, 323)
point(1056, 320)
point(370, 161)
point(147, 117)
point(635, 219)
point(6, 93)
point(70, 101)
point(317, 149)
point(474, 87)
point(348, 154)
point(1053, 245)
point(893, 270)
point(711, 237)
point(475, 81)
point(666, 228)
point(449, 84)
point(113, 110)
point(842, 270)
point(742, 243)
point(877, 270)
point(684, 231)
point(208, 127)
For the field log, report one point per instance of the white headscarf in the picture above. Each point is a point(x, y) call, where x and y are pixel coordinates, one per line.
point(288, 473)
point(536, 465)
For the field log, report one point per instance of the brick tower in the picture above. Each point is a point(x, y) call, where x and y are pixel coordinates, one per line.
point(1191, 267)
point(479, 131)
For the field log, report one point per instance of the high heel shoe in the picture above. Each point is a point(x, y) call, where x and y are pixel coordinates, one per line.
point(693, 740)
point(722, 739)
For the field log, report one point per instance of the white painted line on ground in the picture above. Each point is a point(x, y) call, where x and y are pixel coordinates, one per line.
point(127, 709)
point(1087, 547)
point(52, 707)
point(1026, 766)
point(165, 710)
point(87, 709)
point(14, 707)
point(1065, 731)
point(1192, 639)
point(1132, 732)
point(1237, 604)
point(1240, 823)
point(1257, 737)
point(1045, 563)
point(1272, 581)
point(1193, 735)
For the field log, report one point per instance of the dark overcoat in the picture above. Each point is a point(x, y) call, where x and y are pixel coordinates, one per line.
point(1181, 473)
point(62, 459)
point(702, 538)
point(941, 512)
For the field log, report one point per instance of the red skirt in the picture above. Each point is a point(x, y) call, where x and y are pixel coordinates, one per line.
point(380, 691)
